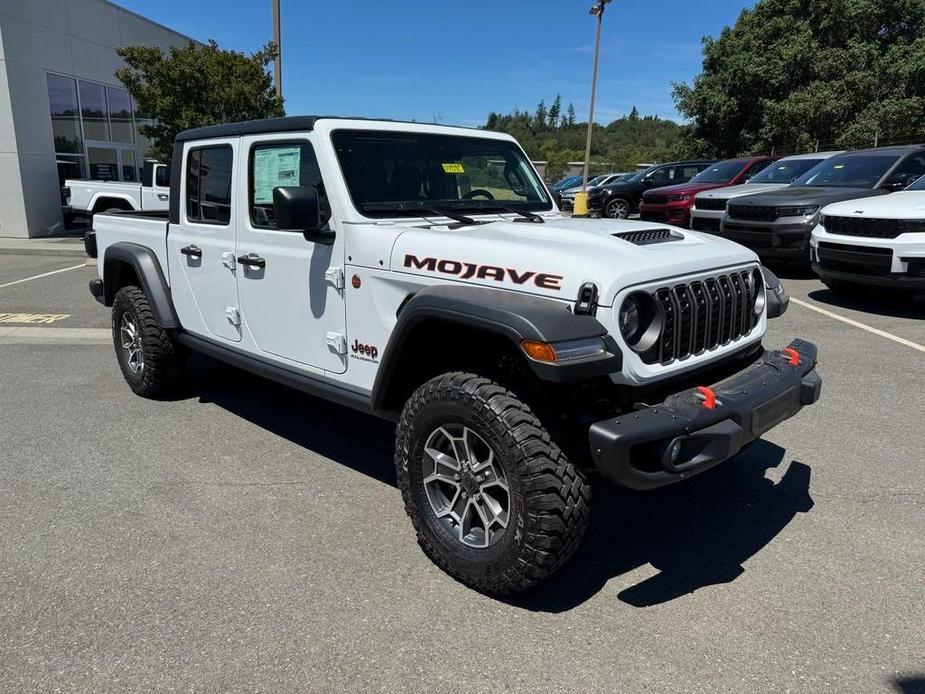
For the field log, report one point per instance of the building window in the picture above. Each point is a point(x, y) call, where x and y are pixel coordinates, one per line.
point(94, 112)
point(120, 115)
point(208, 185)
point(65, 122)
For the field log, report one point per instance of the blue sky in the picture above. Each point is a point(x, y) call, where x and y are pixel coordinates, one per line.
point(456, 60)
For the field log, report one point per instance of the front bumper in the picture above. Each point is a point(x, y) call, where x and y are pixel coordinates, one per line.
point(681, 437)
point(785, 241)
point(665, 214)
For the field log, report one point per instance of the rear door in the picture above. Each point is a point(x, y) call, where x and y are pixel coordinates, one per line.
point(201, 246)
point(293, 303)
point(157, 195)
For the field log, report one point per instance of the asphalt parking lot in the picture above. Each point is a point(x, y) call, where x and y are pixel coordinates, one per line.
point(248, 537)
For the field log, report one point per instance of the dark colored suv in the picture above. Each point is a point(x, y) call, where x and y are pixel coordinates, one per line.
point(779, 224)
point(621, 199)
point(672, 205)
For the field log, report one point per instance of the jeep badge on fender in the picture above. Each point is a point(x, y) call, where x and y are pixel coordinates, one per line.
point(517, 350)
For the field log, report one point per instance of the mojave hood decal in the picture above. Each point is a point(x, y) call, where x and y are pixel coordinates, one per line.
point(464, 271)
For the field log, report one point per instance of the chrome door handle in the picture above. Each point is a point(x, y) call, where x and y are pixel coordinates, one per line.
point(252, 260)
point(191, 251)
point(162, 196)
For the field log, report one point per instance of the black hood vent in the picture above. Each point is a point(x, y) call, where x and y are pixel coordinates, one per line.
point(649, 236)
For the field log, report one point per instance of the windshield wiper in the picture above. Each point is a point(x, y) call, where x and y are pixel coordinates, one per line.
point(419, 208)
point(489, 207)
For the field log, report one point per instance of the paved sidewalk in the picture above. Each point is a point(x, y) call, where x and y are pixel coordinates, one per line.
point(69, 245)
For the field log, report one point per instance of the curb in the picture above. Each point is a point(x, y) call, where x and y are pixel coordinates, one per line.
point(62, 252)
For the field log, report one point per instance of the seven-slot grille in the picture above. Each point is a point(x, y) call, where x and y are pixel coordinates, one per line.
point(702, 315)
point(710, 203)
point(756, 213)
point(655, 199)
point(872, 228)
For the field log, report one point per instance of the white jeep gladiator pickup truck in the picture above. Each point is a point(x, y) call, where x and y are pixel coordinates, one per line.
point(422, 273)
point(87, 196)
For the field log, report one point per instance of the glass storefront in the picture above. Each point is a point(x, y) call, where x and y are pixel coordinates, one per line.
point(95, 130)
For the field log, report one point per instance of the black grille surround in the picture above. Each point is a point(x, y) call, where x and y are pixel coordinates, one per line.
point(649, 236)
point(717, 204)
point(755, 213)
point(702, 315)
point(655, 199)
point(872, 228)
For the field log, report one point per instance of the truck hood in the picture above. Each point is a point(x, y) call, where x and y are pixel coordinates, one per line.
point(554, 259)
point(808, 195)
point(906, 204)
point(729, 192)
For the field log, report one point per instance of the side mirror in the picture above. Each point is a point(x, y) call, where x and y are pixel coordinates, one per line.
point(298, 208)
point(898, 181)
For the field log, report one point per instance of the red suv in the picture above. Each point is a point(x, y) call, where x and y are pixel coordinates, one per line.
point(672, 204)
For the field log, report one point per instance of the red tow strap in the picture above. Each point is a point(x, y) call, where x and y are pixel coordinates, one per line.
point(793, 354)
point(709, 397)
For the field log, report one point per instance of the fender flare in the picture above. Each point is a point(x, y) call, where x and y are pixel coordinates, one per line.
point(114, 196)
point(150, 276)
point(514, 316)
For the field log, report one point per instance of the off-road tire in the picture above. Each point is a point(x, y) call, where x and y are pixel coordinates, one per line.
point(549, 497)
point(163, 357)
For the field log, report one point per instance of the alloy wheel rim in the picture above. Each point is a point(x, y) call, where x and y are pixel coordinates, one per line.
point(617, 210)
point(466, 486)
point(131, 344)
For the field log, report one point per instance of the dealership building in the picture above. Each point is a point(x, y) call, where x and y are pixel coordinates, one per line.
point(62, 112)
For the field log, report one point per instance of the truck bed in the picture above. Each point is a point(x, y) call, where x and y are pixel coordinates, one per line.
point(145, 228)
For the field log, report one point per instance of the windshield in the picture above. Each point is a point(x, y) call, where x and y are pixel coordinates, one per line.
point(388, 173)
point(785, 171)
point(849, 171)
point(723, 172)
point(919, 184)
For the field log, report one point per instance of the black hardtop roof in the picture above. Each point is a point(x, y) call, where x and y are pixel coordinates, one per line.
point(274, 125)
point(891, 149)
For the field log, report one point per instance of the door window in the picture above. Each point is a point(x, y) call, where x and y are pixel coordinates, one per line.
point(280, 164)
point(162, 176)
point(663, 175)
point(686, 172)
point(208, 185)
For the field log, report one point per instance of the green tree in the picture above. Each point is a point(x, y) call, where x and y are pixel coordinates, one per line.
point(570, 115)
point(555, 112)
point(539, 118)
point(197, 85)
point(794, 72)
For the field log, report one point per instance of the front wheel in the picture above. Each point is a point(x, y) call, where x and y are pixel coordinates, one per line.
point(494, 501)
point(618, 208)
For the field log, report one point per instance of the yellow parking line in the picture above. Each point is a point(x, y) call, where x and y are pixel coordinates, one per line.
point(862, 326)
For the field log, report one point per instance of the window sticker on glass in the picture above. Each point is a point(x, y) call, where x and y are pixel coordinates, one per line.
point(453, 168)
point(275, 167)
point(839, 166)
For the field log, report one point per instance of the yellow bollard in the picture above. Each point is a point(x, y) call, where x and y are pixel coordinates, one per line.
point(580, 206)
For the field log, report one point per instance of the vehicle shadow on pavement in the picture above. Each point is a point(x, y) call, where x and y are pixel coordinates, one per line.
point(791, 271)
point(695, 534)
point(878, 301)
point(914, 684)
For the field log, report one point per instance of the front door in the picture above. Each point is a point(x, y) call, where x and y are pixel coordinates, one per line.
point(291, 303)
point(200, 247)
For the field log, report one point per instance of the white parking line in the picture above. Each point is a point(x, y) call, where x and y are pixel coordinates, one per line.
point(862, 326)
point(44, 274)
point(43, 336)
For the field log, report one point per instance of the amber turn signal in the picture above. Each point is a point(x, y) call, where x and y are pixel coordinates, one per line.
point(540, 351)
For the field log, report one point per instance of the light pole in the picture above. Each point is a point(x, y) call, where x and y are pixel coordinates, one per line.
point(278, 63)
point(581, 199)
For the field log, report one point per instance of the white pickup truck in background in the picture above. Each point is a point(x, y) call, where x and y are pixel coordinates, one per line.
point(87, 197)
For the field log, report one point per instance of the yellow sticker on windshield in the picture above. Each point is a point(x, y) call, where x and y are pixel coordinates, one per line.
point(453, 168)
point(839, 166)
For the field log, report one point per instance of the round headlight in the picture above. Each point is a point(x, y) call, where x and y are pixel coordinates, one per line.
point(629, 319)
point(639, 320)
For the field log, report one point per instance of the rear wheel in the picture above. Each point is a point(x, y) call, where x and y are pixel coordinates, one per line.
point(494, 501)
point(150, 360)
point(618, 208)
